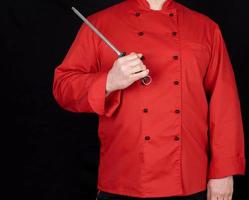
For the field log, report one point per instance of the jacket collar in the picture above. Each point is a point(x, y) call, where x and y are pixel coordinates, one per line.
point(144, 5)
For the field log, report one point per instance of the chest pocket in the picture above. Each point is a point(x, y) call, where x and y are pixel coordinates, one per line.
point(196, 56)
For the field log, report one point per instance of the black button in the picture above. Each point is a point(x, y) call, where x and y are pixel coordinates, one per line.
point(175, 57)
point(140, 33)
point(146, 110)
point(142, 58)
point(176, 138)
point(147, 137)
point(171, 14)
point(174, 33)
point(137, 14)
point(177, 111)
point(176, 82)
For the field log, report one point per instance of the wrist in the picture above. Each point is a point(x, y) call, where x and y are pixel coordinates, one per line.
point(109, 85)
point(107, 93)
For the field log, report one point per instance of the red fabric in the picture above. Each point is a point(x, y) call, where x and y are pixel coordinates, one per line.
point(185, 120)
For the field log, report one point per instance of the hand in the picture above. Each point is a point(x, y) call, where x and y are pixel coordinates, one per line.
point(220, 189)
point(125, 71)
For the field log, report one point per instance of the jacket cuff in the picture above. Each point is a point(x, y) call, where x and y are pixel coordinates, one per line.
point(99, 103)
point(226, 167)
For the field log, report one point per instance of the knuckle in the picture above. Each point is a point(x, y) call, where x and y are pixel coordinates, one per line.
point(143, 74)
point(214, 192)
point(123, 68)
point(139, 61)
point(119, 61)
point(228, 194)
point(221, 193)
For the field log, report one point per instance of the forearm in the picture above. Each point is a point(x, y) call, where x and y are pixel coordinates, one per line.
point(71, 89)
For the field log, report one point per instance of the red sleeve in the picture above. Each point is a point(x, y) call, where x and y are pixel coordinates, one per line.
point(79, 85)
point(225, 120)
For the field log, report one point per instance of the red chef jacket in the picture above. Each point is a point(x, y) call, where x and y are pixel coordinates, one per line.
point(170, 137)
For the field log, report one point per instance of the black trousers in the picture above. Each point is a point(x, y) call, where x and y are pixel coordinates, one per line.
point(106, 196)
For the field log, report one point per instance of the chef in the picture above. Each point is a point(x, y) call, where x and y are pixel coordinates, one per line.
point(181, 136)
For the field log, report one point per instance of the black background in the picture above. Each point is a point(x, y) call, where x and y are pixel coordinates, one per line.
point(59, 149)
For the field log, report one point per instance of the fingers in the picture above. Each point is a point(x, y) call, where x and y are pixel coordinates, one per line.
point(132, 63)
point(228, 196)
point(137, 69)
point(129, 57)
point(212, 196)
point(140, 75)
point(220, 189)
point(126, 70)
point(215, 196)
point(208, 195)
point(220, 195)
